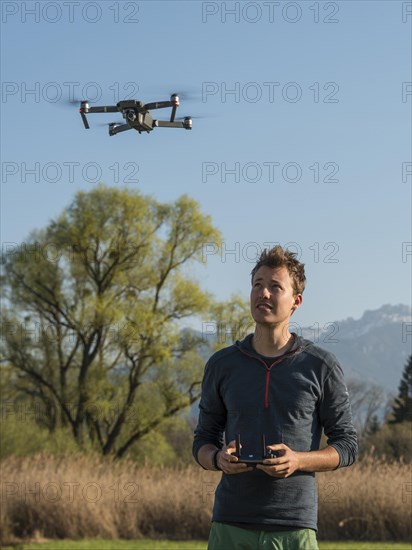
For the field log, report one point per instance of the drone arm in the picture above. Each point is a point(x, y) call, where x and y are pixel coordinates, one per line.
point(167, 124)
point(173, 114)
point(104, 109)
point(84, 108)
point(159, 105)
point(84, 119)
point(116, 129)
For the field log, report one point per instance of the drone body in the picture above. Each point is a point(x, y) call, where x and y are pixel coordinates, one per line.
point(137, 115)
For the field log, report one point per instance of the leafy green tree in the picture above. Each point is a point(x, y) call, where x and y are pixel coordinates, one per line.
point(92, 316)
point(229, 321)
point(402, 407)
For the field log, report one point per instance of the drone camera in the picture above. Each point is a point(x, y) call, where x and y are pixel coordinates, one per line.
point(131, 115)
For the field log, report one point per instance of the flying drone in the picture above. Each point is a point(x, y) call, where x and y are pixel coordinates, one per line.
point(137, 115)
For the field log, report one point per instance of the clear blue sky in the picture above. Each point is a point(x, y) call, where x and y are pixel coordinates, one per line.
point(321, 91)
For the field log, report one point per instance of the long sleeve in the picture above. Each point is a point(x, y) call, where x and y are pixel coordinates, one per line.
point(336, 417)
point(212, 413)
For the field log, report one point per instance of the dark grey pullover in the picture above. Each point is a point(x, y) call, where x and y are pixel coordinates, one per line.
point(290, 401)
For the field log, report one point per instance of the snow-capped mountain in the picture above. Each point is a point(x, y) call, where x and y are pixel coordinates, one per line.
point(373, 348)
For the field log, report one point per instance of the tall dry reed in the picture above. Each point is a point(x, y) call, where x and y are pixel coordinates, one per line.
point(371, 500)
point(81, 496)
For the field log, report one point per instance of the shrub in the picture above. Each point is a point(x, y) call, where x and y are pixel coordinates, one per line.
point(392, 442)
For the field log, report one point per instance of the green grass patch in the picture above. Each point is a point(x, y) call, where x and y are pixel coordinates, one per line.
point(352, 545)
point(149, 544)
point(93, 544)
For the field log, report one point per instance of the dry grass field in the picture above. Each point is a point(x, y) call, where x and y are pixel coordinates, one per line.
point(80, 497)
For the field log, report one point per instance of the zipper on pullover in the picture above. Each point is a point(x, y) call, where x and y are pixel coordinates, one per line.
point(269, 369)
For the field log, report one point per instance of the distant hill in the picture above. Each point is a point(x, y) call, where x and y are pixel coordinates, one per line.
point(373, 348)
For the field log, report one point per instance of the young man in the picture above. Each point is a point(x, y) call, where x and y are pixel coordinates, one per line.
point(277, 384)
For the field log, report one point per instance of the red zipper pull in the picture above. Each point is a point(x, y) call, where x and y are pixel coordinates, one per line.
point(267, 388)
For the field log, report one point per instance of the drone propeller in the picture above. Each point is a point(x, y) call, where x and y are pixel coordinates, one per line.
point(193, 117)
point(186, 95)
point(76, 102)
point(116, 123)
point(70, 103)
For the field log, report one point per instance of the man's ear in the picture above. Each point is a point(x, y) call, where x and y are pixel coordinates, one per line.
point(297, 302)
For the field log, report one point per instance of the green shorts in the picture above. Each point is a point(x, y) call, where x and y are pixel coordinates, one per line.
point(228, 537)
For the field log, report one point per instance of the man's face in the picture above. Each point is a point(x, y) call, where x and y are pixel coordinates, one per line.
point(272, 298)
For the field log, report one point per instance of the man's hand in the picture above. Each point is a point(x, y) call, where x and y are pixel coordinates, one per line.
point(325, 460)
point(284, 466)
point(230, 464)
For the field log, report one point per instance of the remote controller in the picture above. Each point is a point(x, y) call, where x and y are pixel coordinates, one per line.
point(254, 458)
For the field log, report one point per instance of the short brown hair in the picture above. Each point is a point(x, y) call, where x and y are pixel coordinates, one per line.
point(282, 257)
